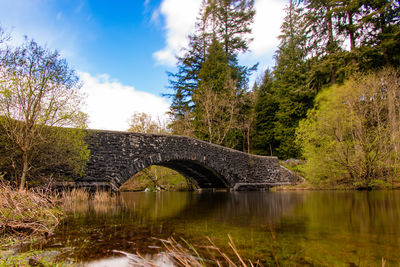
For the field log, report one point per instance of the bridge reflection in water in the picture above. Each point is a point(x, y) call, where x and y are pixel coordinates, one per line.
point(336, 228)
point(265, 208)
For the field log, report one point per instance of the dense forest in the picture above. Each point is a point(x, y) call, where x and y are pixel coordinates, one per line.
point(331, 98)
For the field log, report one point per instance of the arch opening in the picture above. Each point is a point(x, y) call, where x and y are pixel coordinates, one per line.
point(174, 175)
point(201, 176)
point(157, 178)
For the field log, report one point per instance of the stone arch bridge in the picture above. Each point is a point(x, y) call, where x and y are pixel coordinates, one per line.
point(117, 156)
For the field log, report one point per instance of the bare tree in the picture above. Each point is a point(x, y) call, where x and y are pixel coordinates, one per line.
point(144, 123)
point(216, 111)
point(38, 90)
point(246, 119)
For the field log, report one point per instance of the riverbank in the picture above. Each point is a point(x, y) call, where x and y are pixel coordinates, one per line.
point(331, 186)
point(332, 183)
point(29, 217)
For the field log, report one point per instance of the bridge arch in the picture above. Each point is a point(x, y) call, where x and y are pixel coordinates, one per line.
point(117, 156)
point(192, 168)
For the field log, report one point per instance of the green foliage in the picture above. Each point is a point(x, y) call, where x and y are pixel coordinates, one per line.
point(313, 55)
point(285, 95)
point(215, 98)
point(215, 69)
point(352, 135)
point(209, 72)
point(264, 142)
point(62, 151)
point(39, 95)
point(317, 147)
point(165, 178)
point(230, 21)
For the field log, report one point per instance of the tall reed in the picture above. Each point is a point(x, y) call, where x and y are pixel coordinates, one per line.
point(183, 254)
point(75, 195)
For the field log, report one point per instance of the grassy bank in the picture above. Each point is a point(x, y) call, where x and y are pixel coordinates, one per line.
point(28, 217)
point(157, 178)
point(28, 212)
point(342, 182)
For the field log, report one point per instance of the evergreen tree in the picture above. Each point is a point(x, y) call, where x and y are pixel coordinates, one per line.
point(210, 69)
point(264, 142)
point(185, 81)
point(290, 86)
point(215, 97)
point(381, 43)
point(230, 21)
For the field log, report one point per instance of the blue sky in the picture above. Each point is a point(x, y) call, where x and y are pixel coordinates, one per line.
point(122, 49)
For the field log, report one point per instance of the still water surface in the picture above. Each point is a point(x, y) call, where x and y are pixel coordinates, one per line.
point(311, 227)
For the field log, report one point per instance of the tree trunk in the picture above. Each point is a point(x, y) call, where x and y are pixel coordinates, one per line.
point(351, 31)
point(153, 179)
point(248, 140)
point(24, 170)
point(331, 44)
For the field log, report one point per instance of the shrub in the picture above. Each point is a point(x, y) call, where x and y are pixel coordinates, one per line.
point(352, 134)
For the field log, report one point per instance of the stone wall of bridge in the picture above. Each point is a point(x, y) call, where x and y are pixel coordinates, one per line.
point(117, 156)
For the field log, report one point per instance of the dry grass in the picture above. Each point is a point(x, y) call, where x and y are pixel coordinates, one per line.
point(104, 197)
point(75, 195)
point(27, 212)
point(183, 254)
point(77, 199)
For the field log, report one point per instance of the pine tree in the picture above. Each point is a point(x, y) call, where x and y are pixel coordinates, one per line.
point(290, 86)
point(185, 81)
point(264, 142)
point(210, 66)
point(382, 40)
point(230, 21)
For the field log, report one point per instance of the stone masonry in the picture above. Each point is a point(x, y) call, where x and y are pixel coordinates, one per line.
point(117, 156)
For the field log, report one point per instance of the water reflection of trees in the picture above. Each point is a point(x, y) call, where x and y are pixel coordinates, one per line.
point(330, 227)
point(354, 227)
point(94, 229)
point(263, 207)
point(157, 205)
point(243, 207)
point(356, 212)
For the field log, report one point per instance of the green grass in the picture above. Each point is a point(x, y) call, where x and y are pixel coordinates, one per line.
point(31, 257)
point(166, 178)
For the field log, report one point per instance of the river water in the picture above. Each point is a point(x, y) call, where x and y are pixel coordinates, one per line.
point(344, 228)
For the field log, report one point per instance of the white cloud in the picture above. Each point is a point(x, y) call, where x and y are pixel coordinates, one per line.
point(110, 104)
point(266, 26)
point(265, 32)
point(180, 17)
